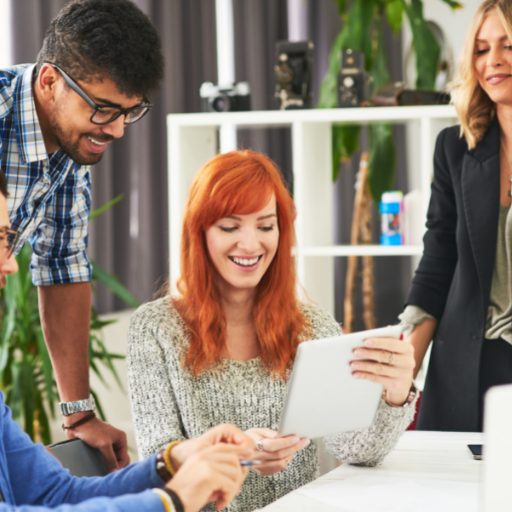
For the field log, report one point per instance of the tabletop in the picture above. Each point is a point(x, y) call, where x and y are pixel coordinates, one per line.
point(433, 456)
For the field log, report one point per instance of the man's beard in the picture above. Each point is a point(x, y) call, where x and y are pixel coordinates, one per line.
point(3, 282)
point(72, 149)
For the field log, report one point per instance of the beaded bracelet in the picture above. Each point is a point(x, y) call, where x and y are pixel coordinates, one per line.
point(167, 457)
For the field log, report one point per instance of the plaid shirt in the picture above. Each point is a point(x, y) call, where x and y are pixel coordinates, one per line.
point(49, 196)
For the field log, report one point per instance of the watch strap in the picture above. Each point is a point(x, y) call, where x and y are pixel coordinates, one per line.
point(176, 500)
point(411, 396)
point(67, 408)
point(408, 401)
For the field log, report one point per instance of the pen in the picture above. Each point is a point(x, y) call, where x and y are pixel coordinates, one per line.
point(250, 462)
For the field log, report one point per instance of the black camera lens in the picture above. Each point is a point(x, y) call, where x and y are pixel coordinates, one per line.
point(219, 103)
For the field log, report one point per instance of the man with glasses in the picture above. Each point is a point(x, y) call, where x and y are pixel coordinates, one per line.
point(99, 64)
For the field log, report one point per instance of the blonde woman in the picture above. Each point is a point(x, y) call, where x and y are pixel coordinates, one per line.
point(461, 294)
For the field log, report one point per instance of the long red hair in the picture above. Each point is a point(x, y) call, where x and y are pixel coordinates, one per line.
point(240, 182)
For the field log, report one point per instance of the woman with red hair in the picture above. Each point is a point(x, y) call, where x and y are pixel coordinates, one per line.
point(221, 351)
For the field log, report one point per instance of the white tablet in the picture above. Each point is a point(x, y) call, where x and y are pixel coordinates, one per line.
point(323, 397)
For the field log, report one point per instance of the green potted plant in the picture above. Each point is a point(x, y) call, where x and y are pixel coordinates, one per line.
point(364, 18)
point(26, 373)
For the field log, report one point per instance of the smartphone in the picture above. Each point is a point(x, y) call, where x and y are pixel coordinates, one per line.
point(476, 450)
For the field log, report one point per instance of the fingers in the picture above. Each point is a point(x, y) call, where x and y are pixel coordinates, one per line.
point(213, 473)
point(389, 362)
point(258, 433)
point(281, 443)
point(120, 446)
point(227, 476)
point(381, 369)
point(271, 467)
point(390, 344)
point(275, 461)
point(110, 457)
point(390, 353)
point(227, 433)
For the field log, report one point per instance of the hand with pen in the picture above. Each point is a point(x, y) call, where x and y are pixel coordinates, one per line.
point(208, 468)
point(275, 454)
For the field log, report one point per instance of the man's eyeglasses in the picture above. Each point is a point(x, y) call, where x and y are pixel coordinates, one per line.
point(104, 114)
point(8, 241)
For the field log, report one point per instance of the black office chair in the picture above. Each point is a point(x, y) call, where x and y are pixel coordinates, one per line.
point(79, 458)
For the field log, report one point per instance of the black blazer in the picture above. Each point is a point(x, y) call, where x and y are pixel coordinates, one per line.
point(453, 279)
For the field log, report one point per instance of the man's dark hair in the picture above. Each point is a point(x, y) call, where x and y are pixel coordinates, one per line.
point(106, 38)
point(3, 184)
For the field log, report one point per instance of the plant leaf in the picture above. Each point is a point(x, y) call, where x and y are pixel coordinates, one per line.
point(98, 405)
point(382, 163)
point(345, 142)
point(105, 207)
point(394, 15)
point(454, 5)
point(329, 88)
point(113, 284)
point(425, 45)
point(342, 7)
point(379, 69)
point(47, 371)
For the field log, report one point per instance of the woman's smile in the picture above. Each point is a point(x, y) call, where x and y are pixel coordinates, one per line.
point(246, 263)
point(497, 78)
point(242, 247)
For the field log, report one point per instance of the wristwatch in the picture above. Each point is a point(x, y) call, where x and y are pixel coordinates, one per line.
point(408, 401)
point(411, 396)
point(67, 408)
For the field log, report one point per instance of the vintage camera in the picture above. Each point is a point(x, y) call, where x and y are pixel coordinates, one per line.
point(294, 74)
point(354, 83)
point(232, 97)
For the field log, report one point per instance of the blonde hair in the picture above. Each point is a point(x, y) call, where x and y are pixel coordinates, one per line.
point(474, 107)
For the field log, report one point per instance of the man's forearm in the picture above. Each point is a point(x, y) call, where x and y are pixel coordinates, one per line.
point(65, 317)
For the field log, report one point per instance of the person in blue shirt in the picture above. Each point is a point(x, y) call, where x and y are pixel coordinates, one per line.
point(32, 480)
point(99, 64)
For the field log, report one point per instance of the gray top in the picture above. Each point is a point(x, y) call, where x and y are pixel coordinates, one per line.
point(168, 403)
point(499, 314)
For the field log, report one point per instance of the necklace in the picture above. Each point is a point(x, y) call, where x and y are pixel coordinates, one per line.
point(510, 165)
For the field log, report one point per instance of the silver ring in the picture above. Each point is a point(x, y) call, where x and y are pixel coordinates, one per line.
point(259, 445)
point(391, 357)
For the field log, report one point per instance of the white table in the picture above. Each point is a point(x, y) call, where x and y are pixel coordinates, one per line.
point(425, 455)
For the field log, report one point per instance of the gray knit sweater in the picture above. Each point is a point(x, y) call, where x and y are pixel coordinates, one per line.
point(168, 403)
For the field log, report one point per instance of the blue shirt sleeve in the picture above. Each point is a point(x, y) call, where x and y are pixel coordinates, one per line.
point(147, 501)
point(37, 482)
point(60, 241)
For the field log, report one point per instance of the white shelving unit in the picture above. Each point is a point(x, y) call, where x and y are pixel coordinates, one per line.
point(192, 141)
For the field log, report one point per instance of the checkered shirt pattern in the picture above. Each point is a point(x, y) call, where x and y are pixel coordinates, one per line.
point(49, 196)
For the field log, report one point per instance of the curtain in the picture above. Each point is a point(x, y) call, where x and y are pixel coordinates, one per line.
point(258, 25)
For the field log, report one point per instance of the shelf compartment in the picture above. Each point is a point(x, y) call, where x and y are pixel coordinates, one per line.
point(363, 250)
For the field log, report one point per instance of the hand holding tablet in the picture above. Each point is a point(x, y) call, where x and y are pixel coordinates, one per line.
point(324, 397)
point(386, 361)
